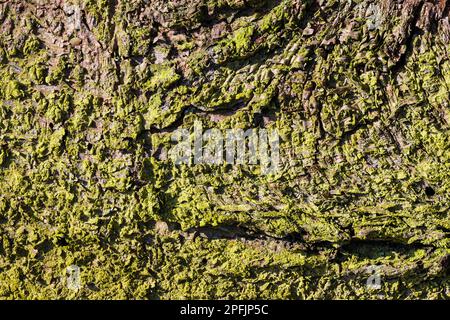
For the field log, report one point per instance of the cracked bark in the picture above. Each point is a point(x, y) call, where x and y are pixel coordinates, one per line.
point(358, 92)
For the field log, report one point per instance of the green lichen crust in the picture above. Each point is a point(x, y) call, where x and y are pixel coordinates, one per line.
point(92, 90)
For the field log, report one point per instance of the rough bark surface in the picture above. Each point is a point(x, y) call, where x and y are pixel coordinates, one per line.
point(92, 90)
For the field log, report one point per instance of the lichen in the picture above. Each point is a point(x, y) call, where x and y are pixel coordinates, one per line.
point(359, 99)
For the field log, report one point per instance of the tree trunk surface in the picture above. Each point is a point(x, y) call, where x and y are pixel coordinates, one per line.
point(92, 92)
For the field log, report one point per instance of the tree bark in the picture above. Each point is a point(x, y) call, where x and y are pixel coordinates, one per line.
point(92, 91)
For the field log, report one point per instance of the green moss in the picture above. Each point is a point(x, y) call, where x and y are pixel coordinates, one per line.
point(86, 179)
point(162, 77)
point(242, 38)
point(38, 73)
point(14, 90)
point(32, 44)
